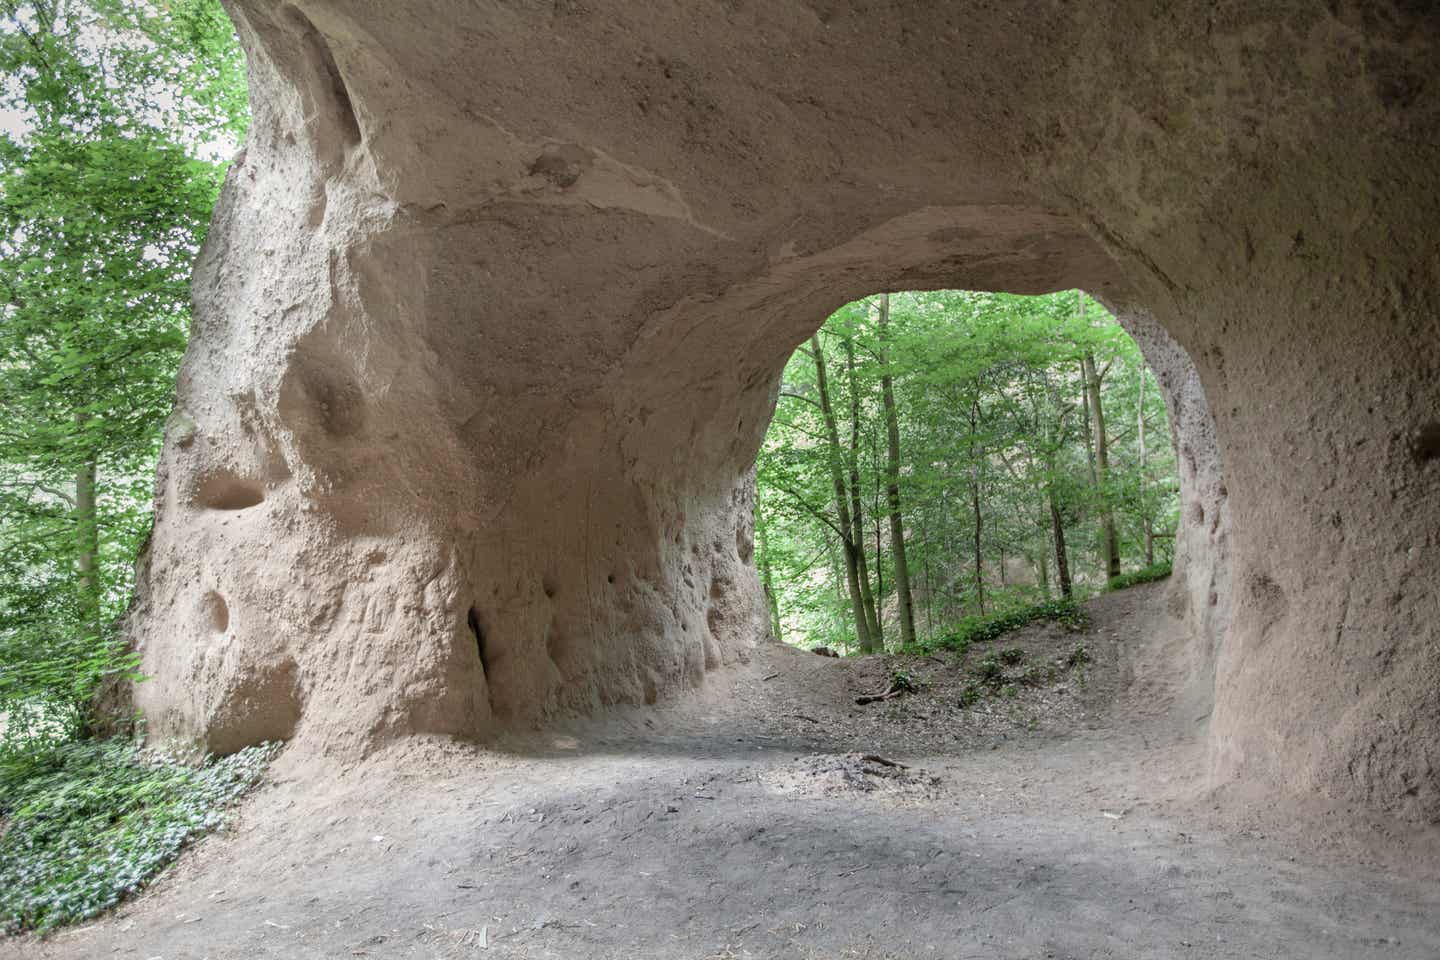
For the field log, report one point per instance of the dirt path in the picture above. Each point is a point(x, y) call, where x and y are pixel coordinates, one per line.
point(1067, 822)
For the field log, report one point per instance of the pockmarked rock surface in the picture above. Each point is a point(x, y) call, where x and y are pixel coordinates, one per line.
point(493, 308)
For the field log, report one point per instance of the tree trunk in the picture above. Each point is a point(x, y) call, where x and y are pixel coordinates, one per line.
point(767, 581)
point(1102, 465)
point(1062, 563)
point(975, 506)
point(842, 509)
point(879, 559)
point(929, 590)
point(1147, 521)
point(979, 560)
point(904, 601)
point(87, 546)
point(1085, 414)
point(876, 518)
point(857, 512)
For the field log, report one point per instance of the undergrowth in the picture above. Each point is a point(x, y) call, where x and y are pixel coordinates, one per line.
point(1149, 574)
point(86, 823)
point(977, 629)
point(905, 682)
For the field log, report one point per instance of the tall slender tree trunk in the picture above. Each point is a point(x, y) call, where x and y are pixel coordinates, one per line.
point(1057, 531)
point(876, 518)
point(767, 581)
point(878, 515)
point(979, 557)
point(947, 540)
point(975, 506)
point(837, 577)
point(87, 545)
point(857, 511)
point(904, 601)
point(1085, 414)
point(1102, 466)
point(1146, 520)
point(842, 509)
point(929, 590)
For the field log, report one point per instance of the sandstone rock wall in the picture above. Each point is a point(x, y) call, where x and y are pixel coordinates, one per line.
point(493, 308)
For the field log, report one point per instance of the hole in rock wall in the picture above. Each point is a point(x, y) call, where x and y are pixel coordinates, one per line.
point(225, 490)
point(472, 619)
point(1426, 446)
point(216, 612)
point(937, 458)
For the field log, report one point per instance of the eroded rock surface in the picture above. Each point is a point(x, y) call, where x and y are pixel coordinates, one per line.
point(494, 305)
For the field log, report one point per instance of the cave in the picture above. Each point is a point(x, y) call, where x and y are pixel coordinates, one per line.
point(491, 315)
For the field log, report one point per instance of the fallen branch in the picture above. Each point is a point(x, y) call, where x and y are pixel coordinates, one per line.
point(883, 761)
point(894, 691)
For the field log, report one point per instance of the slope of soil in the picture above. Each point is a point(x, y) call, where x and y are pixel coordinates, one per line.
point(767, 818)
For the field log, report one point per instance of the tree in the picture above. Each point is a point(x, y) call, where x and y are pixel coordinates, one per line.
point(105, 192)
point(857, 513)
point(767, 581)
point(904, 601)
point(1093, 378)
point(852, 545)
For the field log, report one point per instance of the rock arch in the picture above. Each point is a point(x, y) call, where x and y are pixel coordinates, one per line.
point(495, 299)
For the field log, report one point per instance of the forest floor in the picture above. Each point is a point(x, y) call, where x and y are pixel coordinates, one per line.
point(1070, 820)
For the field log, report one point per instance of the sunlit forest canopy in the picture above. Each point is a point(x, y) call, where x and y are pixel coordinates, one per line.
point(951, 455)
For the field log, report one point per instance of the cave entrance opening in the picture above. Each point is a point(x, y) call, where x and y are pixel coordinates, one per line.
point(949, 465)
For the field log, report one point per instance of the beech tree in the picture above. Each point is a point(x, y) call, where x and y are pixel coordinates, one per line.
point(903, 598)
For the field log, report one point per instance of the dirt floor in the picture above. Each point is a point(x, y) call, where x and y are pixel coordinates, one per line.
point(1062, 819)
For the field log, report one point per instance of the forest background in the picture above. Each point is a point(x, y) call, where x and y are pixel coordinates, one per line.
point(942, 459)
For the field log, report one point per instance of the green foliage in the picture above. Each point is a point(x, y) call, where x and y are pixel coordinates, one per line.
point(1159, 571)
point(107, 178)
point(46, 686)
point(971, 694)
point(973, 630)
point(119, 113)
point(1011, 656)
point(88, 823)
point(992, 430)
point(1078, 656)
point(904, 681)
